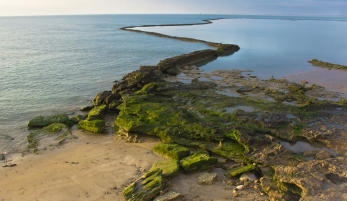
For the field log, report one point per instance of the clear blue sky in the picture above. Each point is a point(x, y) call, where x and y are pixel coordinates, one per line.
point(70, 7)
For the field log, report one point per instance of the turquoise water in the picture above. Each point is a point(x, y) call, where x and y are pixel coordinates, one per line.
point(56, 64)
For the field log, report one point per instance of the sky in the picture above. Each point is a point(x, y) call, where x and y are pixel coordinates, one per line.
point(76, 7)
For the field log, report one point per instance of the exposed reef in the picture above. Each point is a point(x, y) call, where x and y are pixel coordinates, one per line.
point(324, 64)
point(231, 120)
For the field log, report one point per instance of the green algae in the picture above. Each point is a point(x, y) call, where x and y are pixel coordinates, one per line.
point(328, 65)
point(96, 113)
point(169, 168)
point(58, 130)
point(239, 170)
point(95, 126)
point(42, 121)
point(145, 188)
point(171, 151)
point(197, 162)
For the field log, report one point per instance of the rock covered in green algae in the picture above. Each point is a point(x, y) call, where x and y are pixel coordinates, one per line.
point(169, 168)
point(95, 126)
point(145, 188)
point(42, 121)
point(97, 112)
point(60, 131)
point(171, 151)
point(239, 170)
point(197, 162)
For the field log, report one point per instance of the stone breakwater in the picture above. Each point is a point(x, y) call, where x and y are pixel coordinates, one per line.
point(230, 120)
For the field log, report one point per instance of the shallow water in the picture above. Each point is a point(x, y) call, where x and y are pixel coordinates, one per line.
point(276, 46)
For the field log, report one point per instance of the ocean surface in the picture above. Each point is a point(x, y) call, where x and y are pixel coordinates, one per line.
point(56, 64)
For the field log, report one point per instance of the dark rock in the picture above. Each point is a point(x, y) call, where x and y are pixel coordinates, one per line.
point(2, 157)
point(244, 89)
point(111, 98)
point(100, 97)
point(87, 108)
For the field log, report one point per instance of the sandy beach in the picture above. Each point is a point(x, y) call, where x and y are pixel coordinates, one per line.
point(98, 167)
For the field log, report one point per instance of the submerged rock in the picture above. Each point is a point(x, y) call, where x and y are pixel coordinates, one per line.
point(42, 121)
point(197, 162)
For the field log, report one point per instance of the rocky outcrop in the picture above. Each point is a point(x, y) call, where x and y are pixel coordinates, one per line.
point(101, 97)
point(197, 162)
point(171, 151)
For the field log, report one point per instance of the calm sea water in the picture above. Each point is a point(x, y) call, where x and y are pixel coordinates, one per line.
point(56, 64)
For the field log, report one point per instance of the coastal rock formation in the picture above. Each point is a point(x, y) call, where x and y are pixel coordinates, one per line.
point(95, 126)
point(101, 97)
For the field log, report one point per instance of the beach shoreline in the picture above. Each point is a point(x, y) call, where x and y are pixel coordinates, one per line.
point(96, 167)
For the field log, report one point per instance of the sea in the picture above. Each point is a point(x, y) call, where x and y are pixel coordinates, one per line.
point(56, 64)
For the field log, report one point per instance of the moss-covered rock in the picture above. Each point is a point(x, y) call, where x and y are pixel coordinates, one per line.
point(239, 170)
point(95, 126)
point(169, 168)
point(323, 64)
point(60, 131)
point(145, 188)
point(97, 112)
point(197, 162)
point(42, 121)
point(171, 151)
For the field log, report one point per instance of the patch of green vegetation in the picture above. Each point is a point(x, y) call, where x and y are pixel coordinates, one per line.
point(169, 168)
point(197, 162)
point(96, 112)
point(171, 151)
point(95, 126)
point(146, 188)
point(239, 170)
point(59, 130)
point(323, 64)
point(42, 121)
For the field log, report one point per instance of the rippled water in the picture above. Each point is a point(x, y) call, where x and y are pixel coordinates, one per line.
point(56, 64)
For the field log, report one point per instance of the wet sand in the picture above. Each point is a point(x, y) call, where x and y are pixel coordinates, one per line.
point(332, 80)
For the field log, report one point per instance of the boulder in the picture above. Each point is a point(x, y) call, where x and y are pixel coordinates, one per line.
point(42, 121)
point(95, 126)
point(171, 151)
point(197, 162)
point(100, 97)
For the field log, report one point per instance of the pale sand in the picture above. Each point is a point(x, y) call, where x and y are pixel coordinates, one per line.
point(98, 168)
point(332, 80)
